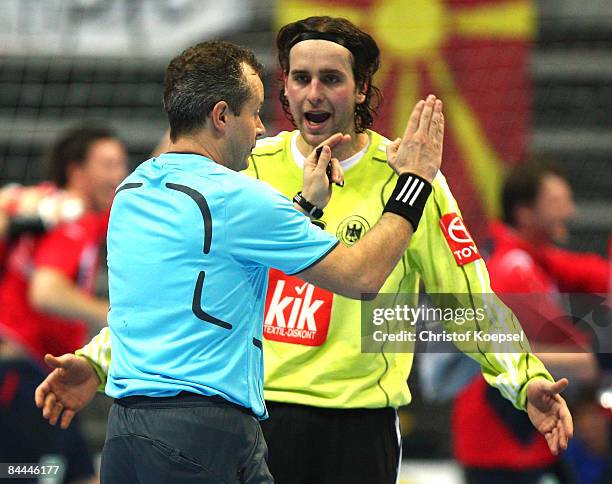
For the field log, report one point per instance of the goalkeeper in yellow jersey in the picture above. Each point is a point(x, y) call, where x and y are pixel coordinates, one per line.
point(332, 407)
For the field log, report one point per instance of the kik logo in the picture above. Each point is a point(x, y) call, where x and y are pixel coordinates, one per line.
point(296, 312)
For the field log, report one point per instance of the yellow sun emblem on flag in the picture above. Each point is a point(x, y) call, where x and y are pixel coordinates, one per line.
point(413, 36)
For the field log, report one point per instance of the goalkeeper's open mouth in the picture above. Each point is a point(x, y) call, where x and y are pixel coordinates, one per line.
point(316, 120)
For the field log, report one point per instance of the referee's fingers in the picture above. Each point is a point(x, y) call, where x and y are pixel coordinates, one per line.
point(337, 172)
point(333, 141)
point(324, 158)
point(336, 139)
point(313, 159)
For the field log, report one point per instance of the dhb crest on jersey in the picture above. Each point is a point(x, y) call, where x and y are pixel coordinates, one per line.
point(351, 229)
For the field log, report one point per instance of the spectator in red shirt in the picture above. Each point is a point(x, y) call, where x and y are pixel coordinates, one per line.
point(493, 442)
point(47, 295)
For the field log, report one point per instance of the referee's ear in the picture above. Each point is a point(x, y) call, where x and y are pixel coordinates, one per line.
point(218, 116)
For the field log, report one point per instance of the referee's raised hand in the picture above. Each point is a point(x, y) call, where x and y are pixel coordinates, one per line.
point(316, 186)
point(67, 389)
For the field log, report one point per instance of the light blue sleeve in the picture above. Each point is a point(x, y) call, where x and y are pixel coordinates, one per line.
point(264, 228)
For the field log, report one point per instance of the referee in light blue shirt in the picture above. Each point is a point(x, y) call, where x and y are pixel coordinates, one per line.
point(190, 242)
point(189, 247)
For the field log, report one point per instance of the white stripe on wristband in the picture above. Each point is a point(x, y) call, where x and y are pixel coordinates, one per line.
point(415, 183)
point(409, 197)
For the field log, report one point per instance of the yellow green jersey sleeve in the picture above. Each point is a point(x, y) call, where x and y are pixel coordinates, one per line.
point(98, 353)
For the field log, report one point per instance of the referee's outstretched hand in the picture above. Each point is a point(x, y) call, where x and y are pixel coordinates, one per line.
point(548, 412)
point(67, 389)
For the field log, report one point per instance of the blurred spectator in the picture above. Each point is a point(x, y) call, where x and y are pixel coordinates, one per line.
point(491, 440)
point(46, 290)
point(33, 210)
point(589, 454)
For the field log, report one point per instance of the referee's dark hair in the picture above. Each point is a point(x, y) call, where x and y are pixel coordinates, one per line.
point(522, 185)
point(365, 60)
point(72, 147)
point(200, 77)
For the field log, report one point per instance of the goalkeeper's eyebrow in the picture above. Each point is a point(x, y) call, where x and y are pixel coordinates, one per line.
point(320, 71)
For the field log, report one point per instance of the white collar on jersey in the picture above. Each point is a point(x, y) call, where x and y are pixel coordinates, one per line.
point(346, 164)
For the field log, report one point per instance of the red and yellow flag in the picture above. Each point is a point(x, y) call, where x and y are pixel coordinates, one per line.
point(473, 55)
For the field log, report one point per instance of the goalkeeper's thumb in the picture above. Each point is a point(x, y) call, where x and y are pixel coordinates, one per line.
point(54, 362)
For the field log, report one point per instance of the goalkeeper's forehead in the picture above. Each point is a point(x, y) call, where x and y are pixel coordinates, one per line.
point(318, 54)
point(316, 35)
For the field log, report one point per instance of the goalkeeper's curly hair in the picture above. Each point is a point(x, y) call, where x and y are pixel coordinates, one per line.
point(365, 61)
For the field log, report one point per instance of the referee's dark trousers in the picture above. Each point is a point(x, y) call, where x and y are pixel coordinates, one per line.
point(184, 439)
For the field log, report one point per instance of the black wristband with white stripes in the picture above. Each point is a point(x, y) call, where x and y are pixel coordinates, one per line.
point(409, 197)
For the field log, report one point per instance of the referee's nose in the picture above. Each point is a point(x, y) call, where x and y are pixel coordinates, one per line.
point(260, 129)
